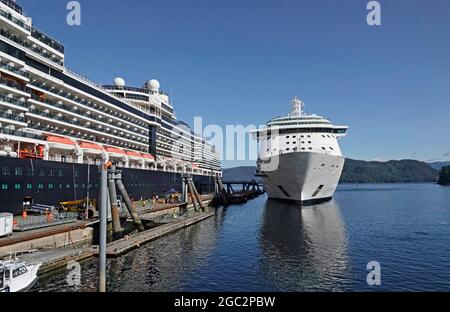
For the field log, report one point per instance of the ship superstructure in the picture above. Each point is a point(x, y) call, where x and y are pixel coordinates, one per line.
point(300, 158)
point(50, 113)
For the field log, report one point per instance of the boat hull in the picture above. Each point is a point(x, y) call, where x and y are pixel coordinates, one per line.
point(50, 183)
point(309, 178)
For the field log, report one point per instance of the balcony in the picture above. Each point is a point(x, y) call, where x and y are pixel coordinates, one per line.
point(21, 134)
point(14, 85)
point(79, 113)
point(47, 40)
point(76, 122)
point(12, 117)
point(15, 20)
point(14, 101)
point(30, 47)
point(83, 102)
point(13, 6)
point(14, 70)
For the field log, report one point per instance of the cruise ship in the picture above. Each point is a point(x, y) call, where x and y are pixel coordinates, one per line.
point(300, 158)
point(56, 126)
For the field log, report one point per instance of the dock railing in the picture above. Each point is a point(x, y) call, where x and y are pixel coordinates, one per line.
point(51, 219)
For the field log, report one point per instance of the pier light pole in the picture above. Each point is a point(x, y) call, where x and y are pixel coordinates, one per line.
point(103, 225)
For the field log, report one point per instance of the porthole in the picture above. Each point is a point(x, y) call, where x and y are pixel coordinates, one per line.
point(323, 148)
point(310, 148)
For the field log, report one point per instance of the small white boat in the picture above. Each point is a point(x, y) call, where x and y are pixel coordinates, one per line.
point(17, 276)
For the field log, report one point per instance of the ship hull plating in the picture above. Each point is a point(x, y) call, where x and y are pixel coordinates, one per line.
point(50, 183)
point(308, 178)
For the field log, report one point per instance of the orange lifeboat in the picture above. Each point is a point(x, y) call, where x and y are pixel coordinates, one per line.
point(91, 148)
point(60, 143)
point(133, 155)
point(148, 157)
point(115, 152)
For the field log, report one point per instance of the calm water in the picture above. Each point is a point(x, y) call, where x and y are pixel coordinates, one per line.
point(269, 246)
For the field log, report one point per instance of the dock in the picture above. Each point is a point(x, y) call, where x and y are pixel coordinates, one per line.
point(124, 245)
point(54, 259)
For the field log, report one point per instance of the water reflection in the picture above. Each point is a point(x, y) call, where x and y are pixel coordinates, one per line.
point(304, 248)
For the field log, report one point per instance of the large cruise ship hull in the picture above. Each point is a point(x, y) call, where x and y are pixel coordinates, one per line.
point(50, 183)
point(308, 178)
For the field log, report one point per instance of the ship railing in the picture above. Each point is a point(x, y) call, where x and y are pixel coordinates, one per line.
point(30, 47)
point(46, 39)
point(14, 85)
point(12, 5)
point(21, 134)
point(14, 101)
point(83, 78)
point(14, 70)
point(15, 20)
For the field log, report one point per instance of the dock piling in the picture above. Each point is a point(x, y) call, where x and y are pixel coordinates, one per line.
point(117, 228)
point(103, 225)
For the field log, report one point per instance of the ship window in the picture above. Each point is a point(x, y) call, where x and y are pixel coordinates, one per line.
point(19, 171)
point(41, 172)
point(50, 186)
point(323, 148)
point(294, 136)
point(68, 186)
point(287, 142)
point(29, 186)
point(76, 186)
point(61, 173)
point(51, 172)
point(288, 149)
point(309, 142)
point(17, 186)
point(323, 136)
point(303, 148)
point(331, 148)
point(287, 137)
point(41, 186)
point(6, 171)
point(310, 148)
point(77, 173)
point(303, 142)
point(4, 187)
point(30, 172)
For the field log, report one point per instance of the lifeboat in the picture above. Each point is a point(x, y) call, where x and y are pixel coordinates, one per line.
point(91, 148)
point(148, 157)
point(133, 155)
point(60, 143)
point(115, 152)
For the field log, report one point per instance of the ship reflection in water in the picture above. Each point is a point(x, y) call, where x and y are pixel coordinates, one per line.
point(304, 249)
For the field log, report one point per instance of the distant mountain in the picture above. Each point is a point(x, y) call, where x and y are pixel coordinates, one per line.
point(358, 171)
point(439, 164)
point(246, 173)
point(394, 171)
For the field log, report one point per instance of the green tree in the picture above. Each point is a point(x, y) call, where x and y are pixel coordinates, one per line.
point(444, 176)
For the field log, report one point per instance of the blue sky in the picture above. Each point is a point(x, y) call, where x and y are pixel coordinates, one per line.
point(241, 62)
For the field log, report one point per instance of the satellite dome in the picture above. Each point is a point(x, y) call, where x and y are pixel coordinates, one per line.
point(119, 82)
point(153, 85)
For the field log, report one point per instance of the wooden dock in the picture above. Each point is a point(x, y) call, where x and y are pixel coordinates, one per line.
point(129, 243)
point(54, 259)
